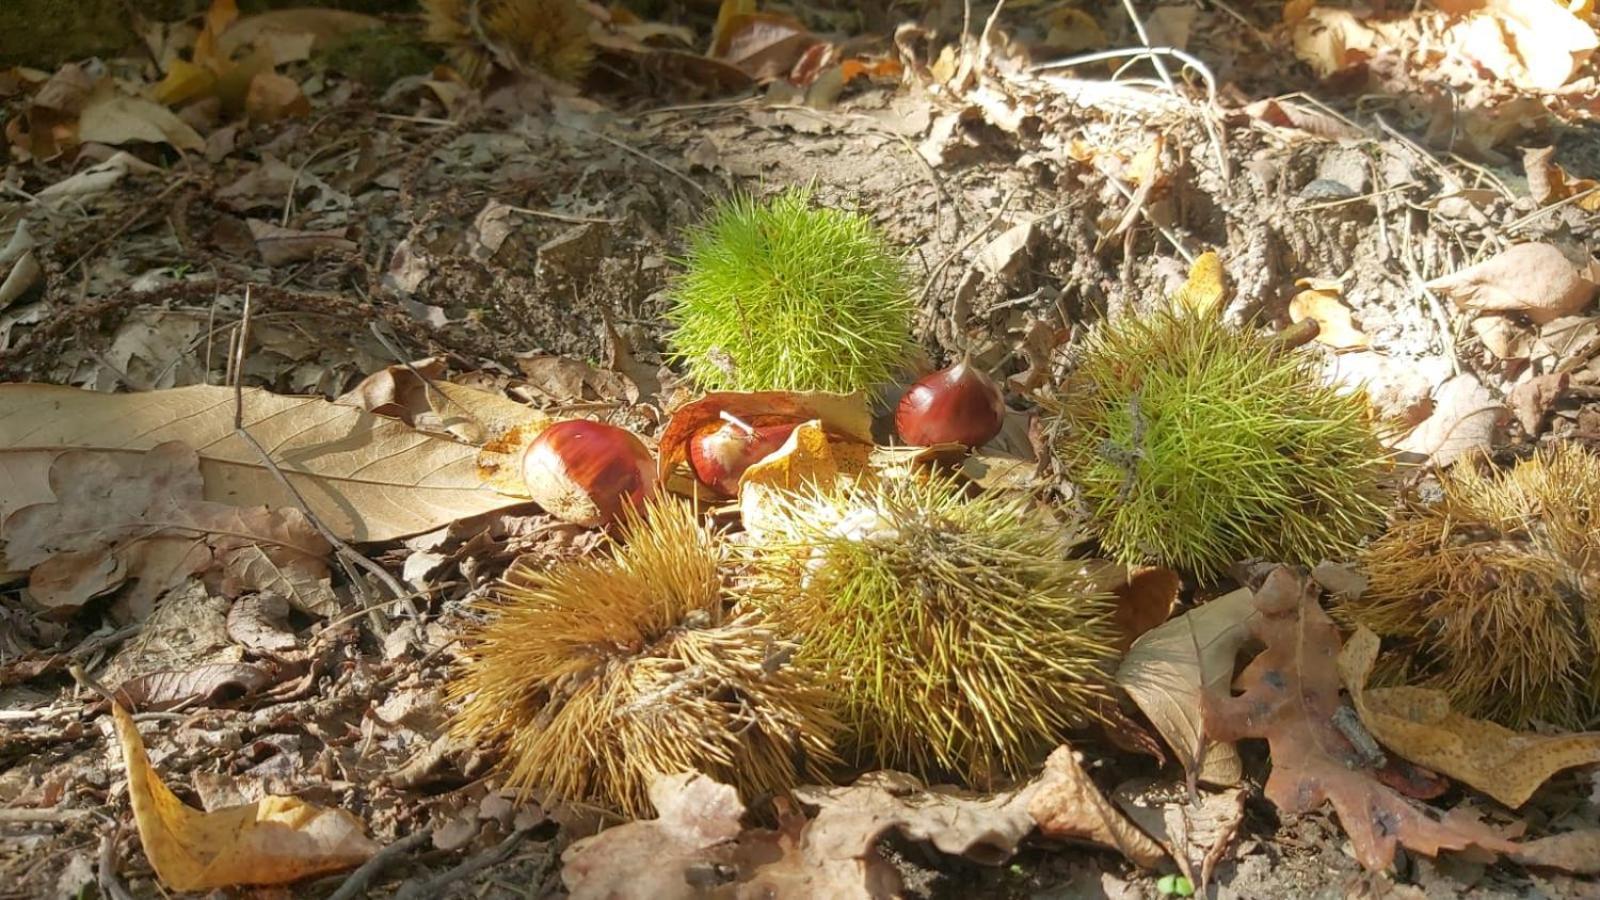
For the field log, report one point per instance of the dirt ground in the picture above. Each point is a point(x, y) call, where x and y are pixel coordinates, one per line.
point(547, 223)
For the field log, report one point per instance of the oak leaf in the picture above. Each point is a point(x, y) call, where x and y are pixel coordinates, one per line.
point(1418, 724)
point(1290, 697)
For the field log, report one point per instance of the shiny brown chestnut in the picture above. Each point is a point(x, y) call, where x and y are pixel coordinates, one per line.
point(586, 472)
point(721, 452)
point(957, 405)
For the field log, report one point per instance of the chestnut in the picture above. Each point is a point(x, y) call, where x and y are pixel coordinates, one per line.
point(587, 472)
point(721, 452)
point(957, 405)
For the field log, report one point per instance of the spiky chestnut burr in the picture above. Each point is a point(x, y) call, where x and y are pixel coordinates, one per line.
point(551, 36)
point(1195, 445)
point(598, 674)
point(1493, 591)
point(781, 295)
point(960, 638)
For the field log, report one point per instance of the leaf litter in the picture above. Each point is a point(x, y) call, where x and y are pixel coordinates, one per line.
point(280, 699)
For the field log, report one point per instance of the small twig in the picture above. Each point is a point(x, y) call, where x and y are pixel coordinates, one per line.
point(435, 887)
point(1187, 58)
point(356, 885)
point(640, 154)
point(960, 248)
point(1546, 210)
point(40, 816)
point(1144, 38)
point(563, 217)
point(106, 875)
point(346, 553)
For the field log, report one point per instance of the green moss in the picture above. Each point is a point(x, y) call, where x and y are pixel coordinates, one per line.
point(1195, 445)
point(378, 57)
point(959, 637)
point(782, 295)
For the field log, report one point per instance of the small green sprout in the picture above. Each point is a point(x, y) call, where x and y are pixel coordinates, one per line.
point(782, 295)
point(1174, 886)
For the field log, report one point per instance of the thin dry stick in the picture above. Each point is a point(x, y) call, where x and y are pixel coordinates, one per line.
point(639, 153)
point(356, 885)
point(436, 886)
point(106, 873)
point(1144, 38)
point(927, 286)
point(346, 553)
point(1213, 130)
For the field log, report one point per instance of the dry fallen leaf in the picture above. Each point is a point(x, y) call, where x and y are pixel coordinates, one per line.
point(1418, 724)
point(1067, 805)
point(279, 246)
point(1319, 300)
point(671, 857)
point(1532, 400)
point(276, 840)
point(365, 477)
point(1536, 44)
point(112, 117)
point(1549, 183)
point(1289, 695)
point(1533, 279)
point(209, 684)
point(1196, 830)
point(122, 517)
point(1168, 669)
point(1145, 596)
point(1204, 289)
point(809, 457)
point(1466, 419)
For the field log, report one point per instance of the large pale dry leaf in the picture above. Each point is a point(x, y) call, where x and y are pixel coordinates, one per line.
point(1168, 669)
point(1533, 279)
point(365, 477)
point(1536, 44)
point(1145, 596)
point(1466, 419)
point(276, 840)
point(111, 117)
point(1332, 40)
point(1290, 697)
point(121, 517)
point(665, 858)
point(1419, 724)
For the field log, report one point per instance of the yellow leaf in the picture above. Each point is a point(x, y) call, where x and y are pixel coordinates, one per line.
point(727, 15)
point(1320, 302)
point(207, 49)
point(1203, 291)
point(184, 81)
point(1418, 724)
point(273, 841)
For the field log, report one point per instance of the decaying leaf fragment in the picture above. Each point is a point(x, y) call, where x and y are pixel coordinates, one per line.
point(273, 841)
point(119, 518)
point(697, 849)
point(1290, 697)
point(1419, 724)
point(1532, 279)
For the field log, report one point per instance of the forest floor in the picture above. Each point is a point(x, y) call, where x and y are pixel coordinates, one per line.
point(526, 236)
